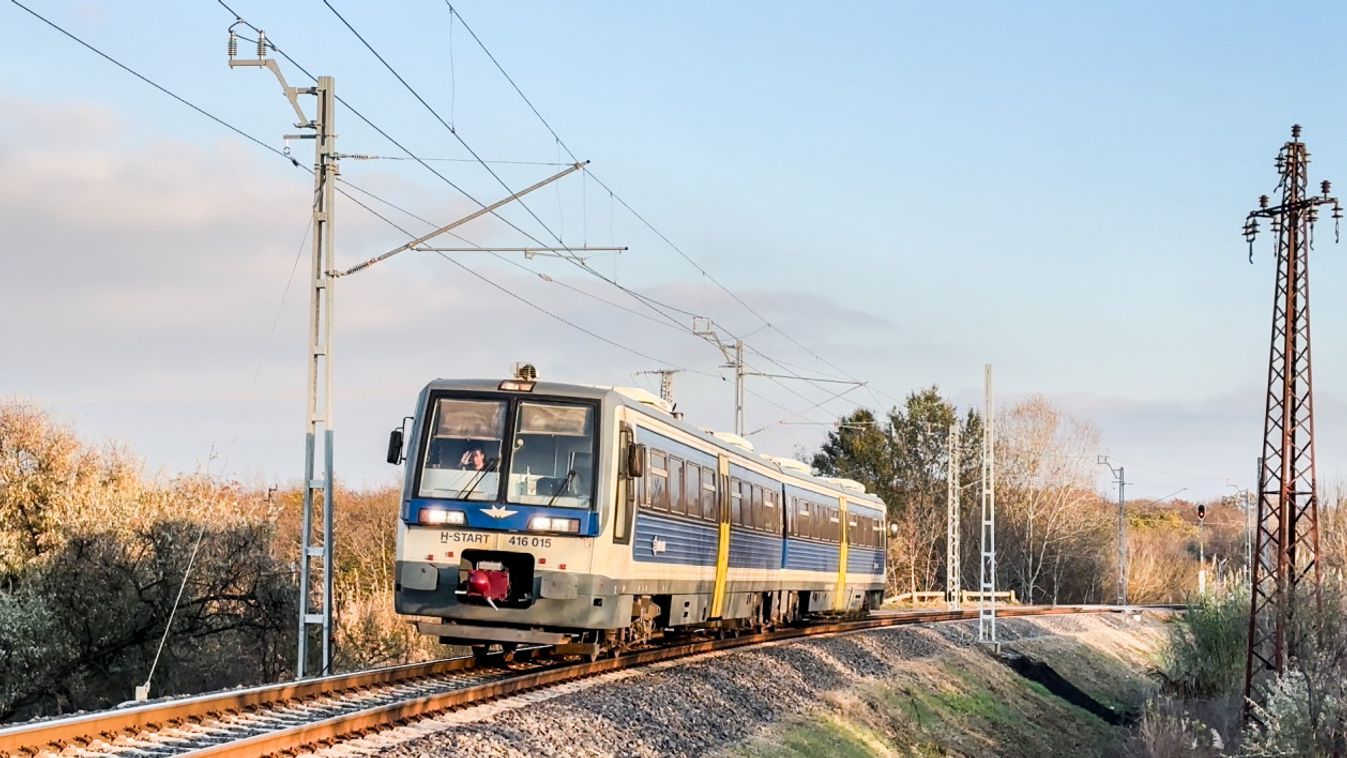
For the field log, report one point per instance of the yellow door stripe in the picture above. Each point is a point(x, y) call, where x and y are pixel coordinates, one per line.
point(723, 550)
point(840, 599)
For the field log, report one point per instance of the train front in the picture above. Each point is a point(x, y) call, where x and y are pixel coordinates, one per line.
point(500, 513)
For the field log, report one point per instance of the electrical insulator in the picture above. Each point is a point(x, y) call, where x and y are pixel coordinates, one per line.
point(1262, 201)
point(233, 44)
point(261, 44)
point(1326, 186)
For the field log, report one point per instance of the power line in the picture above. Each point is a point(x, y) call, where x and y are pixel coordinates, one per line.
point(767, 323)
point(366, 207)
point(348, 195)
point(648, 302)
point(656, 306)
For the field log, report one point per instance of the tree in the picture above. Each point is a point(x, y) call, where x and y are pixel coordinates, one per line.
point(1049, 516)
point(903, 459)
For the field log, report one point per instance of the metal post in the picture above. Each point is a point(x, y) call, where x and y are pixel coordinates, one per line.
point(1250, 524)
point(1201, 561)
point(1120, 478)
point(952, 588)
point(1286, 546)
point(987, 593)
point(1122, 538)
point(739, 387)
point(315, 540)
point(318, 443)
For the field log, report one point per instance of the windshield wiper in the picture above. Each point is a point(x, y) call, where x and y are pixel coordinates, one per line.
point(472, 485)
point(565, 485)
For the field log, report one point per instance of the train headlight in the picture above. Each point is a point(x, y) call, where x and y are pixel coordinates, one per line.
point(440, 516)
point(551, 524)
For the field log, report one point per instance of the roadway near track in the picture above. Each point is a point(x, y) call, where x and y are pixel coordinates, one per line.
point(286, 717)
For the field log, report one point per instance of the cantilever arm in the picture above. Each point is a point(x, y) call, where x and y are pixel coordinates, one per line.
point(455, 224)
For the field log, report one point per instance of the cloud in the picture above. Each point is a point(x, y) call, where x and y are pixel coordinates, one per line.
point(145, 275)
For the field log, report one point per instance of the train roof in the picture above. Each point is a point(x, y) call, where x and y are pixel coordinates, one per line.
point(648, 403)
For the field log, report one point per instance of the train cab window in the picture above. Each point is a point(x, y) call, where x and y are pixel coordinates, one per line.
point(736, 503)
point(553, 458)
point(676, 486)
point(463, 450)
point(710, 510)
point(657, 481)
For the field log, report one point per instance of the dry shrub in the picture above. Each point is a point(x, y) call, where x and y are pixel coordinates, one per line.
point(91, 561)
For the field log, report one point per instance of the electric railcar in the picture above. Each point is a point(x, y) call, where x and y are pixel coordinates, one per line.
point(593, 518)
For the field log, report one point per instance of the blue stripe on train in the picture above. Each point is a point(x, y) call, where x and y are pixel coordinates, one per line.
point(754, 550)
point(864, 560)
point(680, 542)
point(811, 556)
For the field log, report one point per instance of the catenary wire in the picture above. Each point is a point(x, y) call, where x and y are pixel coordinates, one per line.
point(644, 221)
point(571, 257)
point(650, 303)
point(297, 164)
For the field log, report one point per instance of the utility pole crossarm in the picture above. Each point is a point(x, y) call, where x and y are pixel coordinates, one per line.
point(484, 210)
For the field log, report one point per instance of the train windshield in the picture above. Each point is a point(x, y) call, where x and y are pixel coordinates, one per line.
point(552, 462)
point(463, 453)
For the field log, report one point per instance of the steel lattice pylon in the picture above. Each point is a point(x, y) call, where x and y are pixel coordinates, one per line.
point(1286, 541)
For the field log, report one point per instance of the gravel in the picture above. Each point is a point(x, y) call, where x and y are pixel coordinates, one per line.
point(706, 703)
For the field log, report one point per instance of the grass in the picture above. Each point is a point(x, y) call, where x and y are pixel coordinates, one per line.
point(964, 702)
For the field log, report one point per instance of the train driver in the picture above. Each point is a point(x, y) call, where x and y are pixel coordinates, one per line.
point(473, 458)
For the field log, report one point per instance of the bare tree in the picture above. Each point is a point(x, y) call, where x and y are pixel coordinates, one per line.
point(1046, 506)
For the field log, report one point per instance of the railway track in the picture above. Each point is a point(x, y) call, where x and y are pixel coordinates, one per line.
point(286, 717)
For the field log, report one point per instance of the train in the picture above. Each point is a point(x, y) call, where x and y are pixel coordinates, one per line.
point(595, 519)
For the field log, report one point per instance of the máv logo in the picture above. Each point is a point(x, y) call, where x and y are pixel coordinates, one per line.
point(496, 511)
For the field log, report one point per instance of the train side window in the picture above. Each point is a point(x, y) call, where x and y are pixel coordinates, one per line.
point(676, 485)
point(657, 494)
point(692, 488)
point(759, 518)
point(710, 511)
point(834, 525)
point(771, 515)
point(736, 503)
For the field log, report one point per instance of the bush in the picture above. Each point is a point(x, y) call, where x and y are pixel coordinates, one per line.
point(81, 628)
point(1207, 648)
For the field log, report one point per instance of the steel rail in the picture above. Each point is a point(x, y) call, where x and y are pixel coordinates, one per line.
point(42, 736)
point(39, 734)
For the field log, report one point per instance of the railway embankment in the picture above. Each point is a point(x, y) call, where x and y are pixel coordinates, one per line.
point(1069, 685)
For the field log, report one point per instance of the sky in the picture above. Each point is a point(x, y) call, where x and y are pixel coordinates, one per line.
point(905, 191)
